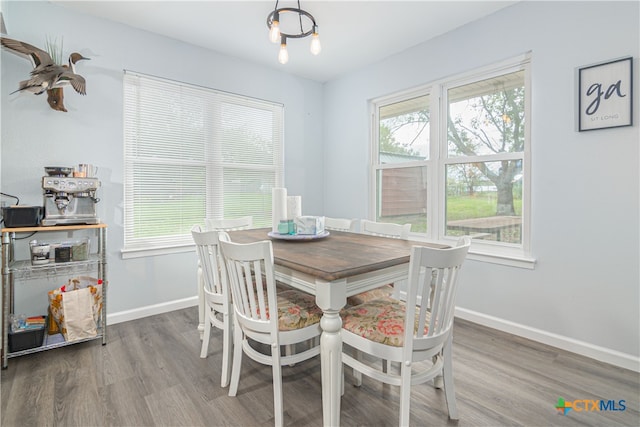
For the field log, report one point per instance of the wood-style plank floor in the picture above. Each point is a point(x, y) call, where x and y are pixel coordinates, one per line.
point(150, 374)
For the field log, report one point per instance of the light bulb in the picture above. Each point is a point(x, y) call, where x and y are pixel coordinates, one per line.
point(274, 31)
point(283, 55)
point(316, 47)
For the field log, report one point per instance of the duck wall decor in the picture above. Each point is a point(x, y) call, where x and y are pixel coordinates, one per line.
point(47, 76)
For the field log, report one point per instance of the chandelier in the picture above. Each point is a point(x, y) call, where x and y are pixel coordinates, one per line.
point(275, 34)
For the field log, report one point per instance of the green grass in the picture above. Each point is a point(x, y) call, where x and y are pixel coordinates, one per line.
point(480, 205)
point(157, 213)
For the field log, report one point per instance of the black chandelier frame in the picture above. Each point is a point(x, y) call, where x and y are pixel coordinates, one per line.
point(275, 15)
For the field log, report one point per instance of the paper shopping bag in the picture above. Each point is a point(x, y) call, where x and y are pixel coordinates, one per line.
point(95, 286)
point(57, 309)
point(78, 321)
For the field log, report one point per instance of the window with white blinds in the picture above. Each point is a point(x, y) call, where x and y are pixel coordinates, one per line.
point(193, 153)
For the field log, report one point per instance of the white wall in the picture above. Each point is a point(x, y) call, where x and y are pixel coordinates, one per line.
point(34, 135)
point(583, 293)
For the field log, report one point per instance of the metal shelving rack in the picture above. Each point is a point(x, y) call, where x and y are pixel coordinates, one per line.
point(13, 270)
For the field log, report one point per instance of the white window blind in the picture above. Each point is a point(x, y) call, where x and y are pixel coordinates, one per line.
point(193, 153)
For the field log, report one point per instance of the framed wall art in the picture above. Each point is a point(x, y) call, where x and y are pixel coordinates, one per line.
point(605, 95)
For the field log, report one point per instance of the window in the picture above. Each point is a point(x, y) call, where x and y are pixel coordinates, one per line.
point(451, 159)
point(193, 153)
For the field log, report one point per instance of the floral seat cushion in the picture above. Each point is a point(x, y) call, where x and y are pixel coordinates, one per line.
point(297, 310)
point(377, 293)
point(380, 320)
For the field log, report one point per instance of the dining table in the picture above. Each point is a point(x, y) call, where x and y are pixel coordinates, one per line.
point(333, 266)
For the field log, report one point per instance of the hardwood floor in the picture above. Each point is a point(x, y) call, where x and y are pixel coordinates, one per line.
point(150, 374)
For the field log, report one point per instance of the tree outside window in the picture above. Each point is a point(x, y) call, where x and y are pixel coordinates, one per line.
point(485, 150)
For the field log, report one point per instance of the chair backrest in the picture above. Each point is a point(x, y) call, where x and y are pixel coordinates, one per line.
point(207, 247)
point(385, 229)
point(339, 224)
point(231, 224)
point(432, 302)
point(249, 269)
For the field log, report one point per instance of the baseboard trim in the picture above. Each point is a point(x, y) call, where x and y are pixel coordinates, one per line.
point(616, 358)
point(151, 310)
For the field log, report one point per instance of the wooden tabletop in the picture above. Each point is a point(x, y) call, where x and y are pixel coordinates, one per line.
point(337, 256)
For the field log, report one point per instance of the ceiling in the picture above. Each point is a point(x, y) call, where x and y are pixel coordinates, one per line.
point(353, 33)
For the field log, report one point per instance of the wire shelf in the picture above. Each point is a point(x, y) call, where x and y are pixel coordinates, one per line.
point(24, 270)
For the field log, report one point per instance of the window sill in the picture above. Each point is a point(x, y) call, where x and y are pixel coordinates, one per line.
point(140, 253)
point(511, 260)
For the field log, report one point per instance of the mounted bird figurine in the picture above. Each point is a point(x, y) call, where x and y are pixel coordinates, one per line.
point(47, 76)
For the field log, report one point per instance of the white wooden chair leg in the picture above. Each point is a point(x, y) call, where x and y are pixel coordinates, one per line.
point(201, 302)
point(357, 375)
point(405, 394)
point(237, 360)
point(205, 338)
point(278, 406)
point(438, 382)
point(288, 351)
point(227, 344)
point(449, 388)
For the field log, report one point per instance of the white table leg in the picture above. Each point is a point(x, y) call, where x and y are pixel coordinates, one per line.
point(331, 297)
point(200, 285)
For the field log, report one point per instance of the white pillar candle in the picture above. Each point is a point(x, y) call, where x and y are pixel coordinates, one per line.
point(278, 207)
point(294, 207)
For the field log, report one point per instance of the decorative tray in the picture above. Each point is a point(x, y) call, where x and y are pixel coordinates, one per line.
point(298, 236)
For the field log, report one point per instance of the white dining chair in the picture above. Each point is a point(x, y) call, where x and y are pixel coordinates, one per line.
point(264, 316)
point(417, 334)
point(216, 224)
point(340, 224)
point(217, 299)
point(383, 229)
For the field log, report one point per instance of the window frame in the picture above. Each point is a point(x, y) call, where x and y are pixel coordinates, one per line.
point(518, 255)
point(212, 161)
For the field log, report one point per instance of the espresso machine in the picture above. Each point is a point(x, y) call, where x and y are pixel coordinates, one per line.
point(69, 199)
